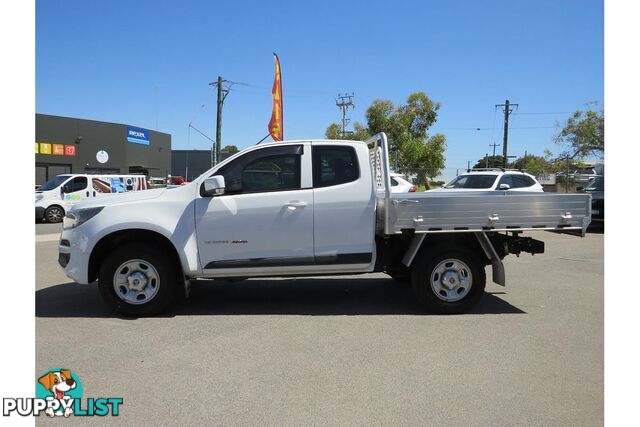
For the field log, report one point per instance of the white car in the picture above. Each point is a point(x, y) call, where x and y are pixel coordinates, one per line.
point(486, 180)
point(400, 185)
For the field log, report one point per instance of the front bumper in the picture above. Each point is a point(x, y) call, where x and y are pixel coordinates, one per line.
point(73, 255)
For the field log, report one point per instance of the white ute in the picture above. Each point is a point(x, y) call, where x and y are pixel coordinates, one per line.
point(303, 208)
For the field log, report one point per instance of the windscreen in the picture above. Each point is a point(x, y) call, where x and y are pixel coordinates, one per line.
point(472, 181)
point(54, 182)
point(596, 185)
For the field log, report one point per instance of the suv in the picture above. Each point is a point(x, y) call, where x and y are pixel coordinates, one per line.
point(485, 180)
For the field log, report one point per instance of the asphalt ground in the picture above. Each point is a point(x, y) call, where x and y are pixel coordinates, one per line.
point(340, 350)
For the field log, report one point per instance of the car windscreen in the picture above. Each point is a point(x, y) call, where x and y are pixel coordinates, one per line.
point(54, 182)
point(472, 181)
point(595, 185)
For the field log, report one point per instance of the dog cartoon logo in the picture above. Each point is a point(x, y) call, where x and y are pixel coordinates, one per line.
point(62, 385)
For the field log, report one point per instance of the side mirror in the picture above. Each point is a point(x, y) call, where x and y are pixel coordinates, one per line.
point(504, 186)
point(64, 189)
point(213, 186)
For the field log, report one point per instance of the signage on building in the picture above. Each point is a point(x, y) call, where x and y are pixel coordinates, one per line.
point(55, 149)
point(102, 156)
point(138, 136)
point(546, 178)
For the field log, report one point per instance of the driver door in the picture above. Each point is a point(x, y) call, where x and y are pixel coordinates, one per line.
point(74, 190)
point(264, 220)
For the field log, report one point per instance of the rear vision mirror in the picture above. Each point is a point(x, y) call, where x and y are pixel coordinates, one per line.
point(504, 186)
point(213, 186)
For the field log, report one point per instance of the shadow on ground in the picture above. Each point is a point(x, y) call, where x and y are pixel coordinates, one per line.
point(313, 297)
point(596, 227)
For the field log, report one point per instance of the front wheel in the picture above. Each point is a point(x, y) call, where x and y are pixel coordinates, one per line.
point(137, 280)
point(54, 214)
point(449, 282)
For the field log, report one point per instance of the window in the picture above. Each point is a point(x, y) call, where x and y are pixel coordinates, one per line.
point(522, 181)
point(54, 182)
point(472, 181)
point(506, 179)
point(334, 165)
point(394, 183)
point(76, 184)
point(268, 169)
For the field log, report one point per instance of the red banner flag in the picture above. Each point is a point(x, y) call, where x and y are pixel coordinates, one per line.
point(275, 124)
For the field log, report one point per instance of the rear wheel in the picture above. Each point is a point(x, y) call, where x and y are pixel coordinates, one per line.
point(54, 214)
point(137, 280)
point(449, 282)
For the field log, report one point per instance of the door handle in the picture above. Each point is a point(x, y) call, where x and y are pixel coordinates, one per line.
point(294, 204)
point(87, 194)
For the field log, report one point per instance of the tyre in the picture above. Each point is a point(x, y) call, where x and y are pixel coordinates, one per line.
point(138, 280)
point(448, 282)
point(54, 214)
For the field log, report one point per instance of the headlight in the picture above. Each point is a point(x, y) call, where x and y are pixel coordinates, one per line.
point(74, 218)
point(39, 197)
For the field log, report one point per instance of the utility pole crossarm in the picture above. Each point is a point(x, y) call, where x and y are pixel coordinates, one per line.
point(344, 102)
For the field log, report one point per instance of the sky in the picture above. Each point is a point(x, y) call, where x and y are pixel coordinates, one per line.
point(149, 64)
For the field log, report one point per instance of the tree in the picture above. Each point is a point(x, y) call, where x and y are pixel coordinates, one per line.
point(583, 133)
point(490, 162)
point(334, 131)
point(535, 165)
point(232, 149)
point(411, 148)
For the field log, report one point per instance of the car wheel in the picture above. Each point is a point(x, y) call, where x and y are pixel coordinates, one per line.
point(137, 280)
point(449, 282)
point(54, 214)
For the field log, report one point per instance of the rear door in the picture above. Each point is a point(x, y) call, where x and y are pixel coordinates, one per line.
point(344, 205)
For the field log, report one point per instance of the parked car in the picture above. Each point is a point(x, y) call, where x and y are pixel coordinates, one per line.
point(585, 175)
point(485, 180)
point(56, 196)
point(400, 185)
point(304, 208)
point(596, 189)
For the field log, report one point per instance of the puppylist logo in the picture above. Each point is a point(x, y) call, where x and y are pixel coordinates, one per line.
point(59, 394)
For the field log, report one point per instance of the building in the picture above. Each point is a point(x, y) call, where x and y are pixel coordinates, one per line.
point(190, 164)
point(70, 145)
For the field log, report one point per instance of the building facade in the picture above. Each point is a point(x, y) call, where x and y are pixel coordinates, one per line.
point(70, 145)
point(190, 164)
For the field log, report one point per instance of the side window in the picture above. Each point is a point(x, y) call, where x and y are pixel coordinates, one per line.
point(506, 179)
point(275, 173)
point(394, 183)
point(334, 165)
point(522, 181)
point(268, 169)
point(78, 183)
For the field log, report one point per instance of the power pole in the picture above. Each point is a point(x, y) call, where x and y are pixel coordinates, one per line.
point(486, 160)
point(507, 112)
point(494, 145)
point(344, 102)
point(222, 94)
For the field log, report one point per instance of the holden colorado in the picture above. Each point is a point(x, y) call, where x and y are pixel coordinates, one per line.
point(304, 208)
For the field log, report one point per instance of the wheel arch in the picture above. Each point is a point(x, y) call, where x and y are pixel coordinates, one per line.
point(114, 239)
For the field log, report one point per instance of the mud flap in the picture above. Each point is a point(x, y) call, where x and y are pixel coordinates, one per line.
point(496, 263)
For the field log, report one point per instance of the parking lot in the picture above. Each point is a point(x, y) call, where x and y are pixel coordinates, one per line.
point(340, 350)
